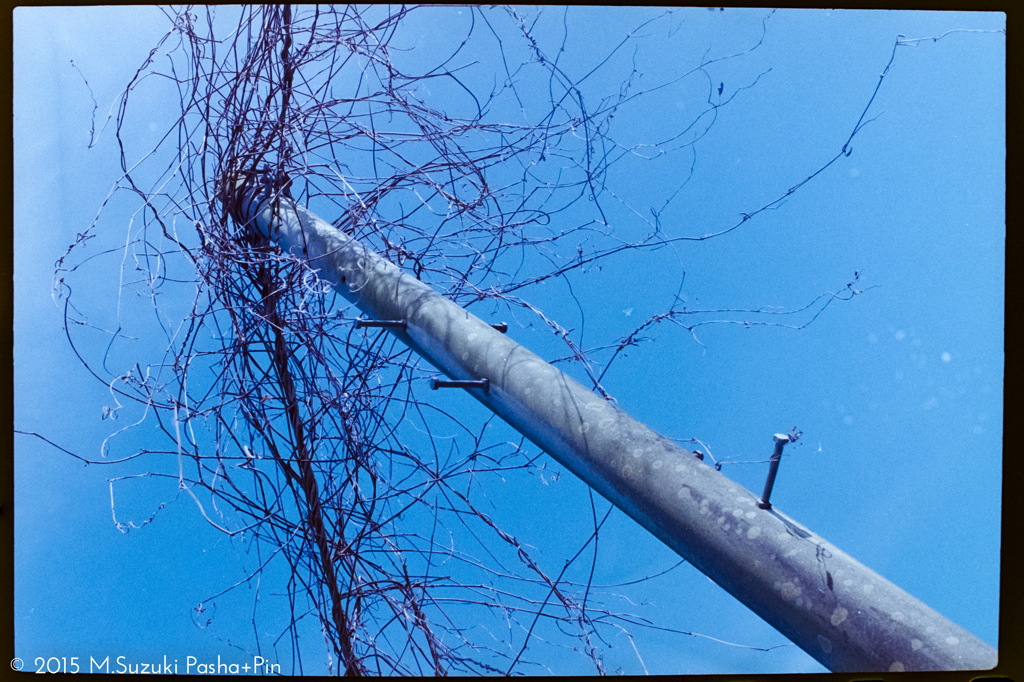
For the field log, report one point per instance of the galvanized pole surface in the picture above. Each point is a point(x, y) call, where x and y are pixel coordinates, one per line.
point(837, 610)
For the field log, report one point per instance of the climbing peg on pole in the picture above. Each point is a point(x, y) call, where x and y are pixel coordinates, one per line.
point(386, 324)
point(773, 466)
point(465, 383)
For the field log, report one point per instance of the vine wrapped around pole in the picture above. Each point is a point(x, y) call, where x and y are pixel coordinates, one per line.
point(836, 609)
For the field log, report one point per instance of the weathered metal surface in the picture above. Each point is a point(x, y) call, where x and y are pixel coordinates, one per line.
point(840, 612)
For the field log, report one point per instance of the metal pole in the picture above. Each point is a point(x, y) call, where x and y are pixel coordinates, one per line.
point(839, 611)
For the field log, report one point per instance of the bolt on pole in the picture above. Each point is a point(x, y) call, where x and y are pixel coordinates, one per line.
point(836, 609)
point(773, 468)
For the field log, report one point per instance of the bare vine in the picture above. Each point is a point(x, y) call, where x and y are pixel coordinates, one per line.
point(309, 439)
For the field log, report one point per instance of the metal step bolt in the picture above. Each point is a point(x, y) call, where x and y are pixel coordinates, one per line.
point(773, 466)
point(386, 324)
point(485, 384)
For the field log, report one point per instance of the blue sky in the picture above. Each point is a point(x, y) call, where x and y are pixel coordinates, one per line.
point(898, 392)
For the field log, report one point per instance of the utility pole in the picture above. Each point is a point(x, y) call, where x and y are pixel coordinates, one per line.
point(839, 611)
